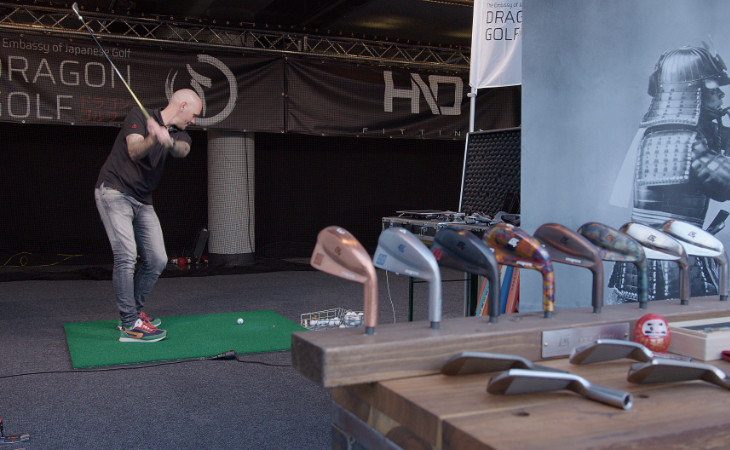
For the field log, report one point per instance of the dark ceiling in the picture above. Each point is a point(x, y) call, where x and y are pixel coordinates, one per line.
point(423, 22)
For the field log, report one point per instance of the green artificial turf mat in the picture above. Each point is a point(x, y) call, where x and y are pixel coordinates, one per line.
point(94, 344)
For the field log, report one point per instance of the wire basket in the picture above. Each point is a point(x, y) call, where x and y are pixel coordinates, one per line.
point(332, 318)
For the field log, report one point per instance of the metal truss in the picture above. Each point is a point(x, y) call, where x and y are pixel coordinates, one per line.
point(160, 31)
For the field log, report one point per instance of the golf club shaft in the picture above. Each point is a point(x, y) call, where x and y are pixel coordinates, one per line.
point(75, 8)
point(494, 298)
point(597, 289)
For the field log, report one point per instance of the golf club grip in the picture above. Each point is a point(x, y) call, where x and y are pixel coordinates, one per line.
point(608, 396)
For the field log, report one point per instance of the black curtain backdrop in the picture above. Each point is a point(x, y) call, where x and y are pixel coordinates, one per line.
point(303, 184)
point(48, 205)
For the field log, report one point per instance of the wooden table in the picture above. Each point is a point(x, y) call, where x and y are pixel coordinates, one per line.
point(456, 412)
point(387, 388)
point(344, 357)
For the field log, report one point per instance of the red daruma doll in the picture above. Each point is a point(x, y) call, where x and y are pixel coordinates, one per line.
point(652, 331)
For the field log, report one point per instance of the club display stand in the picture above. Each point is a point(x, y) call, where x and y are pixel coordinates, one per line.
point(388, 391)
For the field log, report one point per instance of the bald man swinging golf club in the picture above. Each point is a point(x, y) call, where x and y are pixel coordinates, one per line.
point(123, 197)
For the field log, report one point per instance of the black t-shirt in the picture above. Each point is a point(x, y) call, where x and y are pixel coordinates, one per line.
point(137, 178)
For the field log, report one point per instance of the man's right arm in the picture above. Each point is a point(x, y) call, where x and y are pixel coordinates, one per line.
point(138, 146)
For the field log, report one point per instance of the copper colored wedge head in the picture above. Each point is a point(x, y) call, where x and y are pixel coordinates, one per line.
point(338, 253)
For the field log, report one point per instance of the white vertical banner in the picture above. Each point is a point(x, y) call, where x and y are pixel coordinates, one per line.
point(496, 44)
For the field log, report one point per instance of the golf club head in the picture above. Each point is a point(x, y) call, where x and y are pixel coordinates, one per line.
point(400, 251)
point(608, 350)
point(614, 245)
point(75, 9)
point(466, 363)
point(698, 242)
point(514, 247)
point(568, 247)
point(462, 250)
point(338, 253)
point(669, 371)
point(659, 245)
point(522, 381)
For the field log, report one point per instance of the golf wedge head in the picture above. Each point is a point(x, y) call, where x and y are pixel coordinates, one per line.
point(514, 247)
point(660, 245)
point(698, 242)
point(608, 350)
point(338, 253)
point(614, 245)
point(568, 247)
point(671, 371)
point(400, 251)
point(522, 381)
point(466, 363)
point(463, 250)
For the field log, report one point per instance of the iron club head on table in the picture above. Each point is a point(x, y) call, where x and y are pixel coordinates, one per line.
point(463, 250)
point(400, 251)
point(338, 253)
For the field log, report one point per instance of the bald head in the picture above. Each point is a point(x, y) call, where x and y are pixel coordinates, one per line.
point(184, 107)
point(185, 96)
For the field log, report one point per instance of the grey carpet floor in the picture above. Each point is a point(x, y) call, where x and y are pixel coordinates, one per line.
point(257, 402)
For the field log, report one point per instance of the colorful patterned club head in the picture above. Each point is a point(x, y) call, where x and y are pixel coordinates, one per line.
point(338, 253)
point(568, 247)
point(514, 247)
point(400, 251)
point(462, 250)
point(614, 245)
point(698, 242)
point(660, 245)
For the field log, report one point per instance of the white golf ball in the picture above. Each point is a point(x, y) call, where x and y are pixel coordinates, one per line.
point(240, 321)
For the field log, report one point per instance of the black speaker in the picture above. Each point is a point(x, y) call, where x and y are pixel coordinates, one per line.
point(200, 244)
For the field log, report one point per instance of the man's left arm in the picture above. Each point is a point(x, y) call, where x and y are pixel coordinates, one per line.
point(180, 148)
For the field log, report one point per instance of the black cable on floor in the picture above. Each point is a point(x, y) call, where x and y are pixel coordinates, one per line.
point(229, 355)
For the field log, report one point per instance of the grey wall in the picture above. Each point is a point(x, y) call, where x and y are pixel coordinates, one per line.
point(586, 66)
